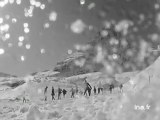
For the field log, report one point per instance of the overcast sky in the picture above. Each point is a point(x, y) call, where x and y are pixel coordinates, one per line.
point(34, 36)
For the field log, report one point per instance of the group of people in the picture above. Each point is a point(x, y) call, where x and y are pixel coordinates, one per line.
point(60, 91)
point(74, 91)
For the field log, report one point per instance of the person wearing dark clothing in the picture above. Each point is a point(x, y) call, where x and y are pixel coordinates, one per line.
point(64, 92)
point(87, 88)
point(59, 93)
point(111, 87)
point(24, 98)
point(45, 92)
point(100, 87)
point(53, 93)
point(76, 89)
point(72, 93)
point(94, 90)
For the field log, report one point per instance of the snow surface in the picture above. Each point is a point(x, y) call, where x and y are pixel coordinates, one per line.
point(139, 89)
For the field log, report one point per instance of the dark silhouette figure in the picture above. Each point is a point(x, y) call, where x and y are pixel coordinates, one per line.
point(121, 86)
point(76, 89)
point(53, 93)
point(100, 88)
point(111, 87)
point(59, 93)
point(72, 93)
point(24, 98)
point(45, 92)
point(94, 90)
point(64, 92)
point(87, 88)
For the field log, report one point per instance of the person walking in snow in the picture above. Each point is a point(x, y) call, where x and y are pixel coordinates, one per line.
point(100, 88)
point(87, 87)
point(72, 93)
point(53, 93)
point(94, 90)
point(76, 89)
point(64, 92)
point(111, 87)
point(45, 93)
point(59, 93)
point(24, 98)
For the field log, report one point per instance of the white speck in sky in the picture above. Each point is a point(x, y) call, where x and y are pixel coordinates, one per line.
point(53, 16)
point(115, 56)
point(18, 2)
point(156, 6)
point(26, 30)
point(21, 38)
point(28, 46)
point(2, 51)
point(7, 35)
point(14, 20)
point(1, 20)
point(104, 33)
point(32, 2)
point(20, 44)
point(7, 17)
point(22, 58)
point(25, 25)
point(10, 44)
point(42, 6)
point(82, 2)
point(78, 26)
point(46, 25)
point(11, 1)
point(91, 6)
point(4, 28)
point(69, 52)
point(42, 51)
point(37, 4)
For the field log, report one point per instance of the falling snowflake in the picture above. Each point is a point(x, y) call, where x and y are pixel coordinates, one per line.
point(91, 6)
point(42, 6)
point(22, 58)
point(21, 38)
point(2, 51)
point(20, 44)
point(14, 20)
point(156, 6)
point(46, 25)
point(37, 4)
point(82, 2)
point(28, 46)
point(78, 26)
point(69, 52)
point(10, 44)
point(26, 30)
point(25, 25)
point(11, 1)
point(4, 28)
point(7, 35)
point(7, 17)
point(18, 2)
point(1, 20)
point(53, 16)
point(42, 51)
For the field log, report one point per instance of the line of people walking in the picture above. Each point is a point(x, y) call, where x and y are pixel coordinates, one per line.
point(74, 91)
